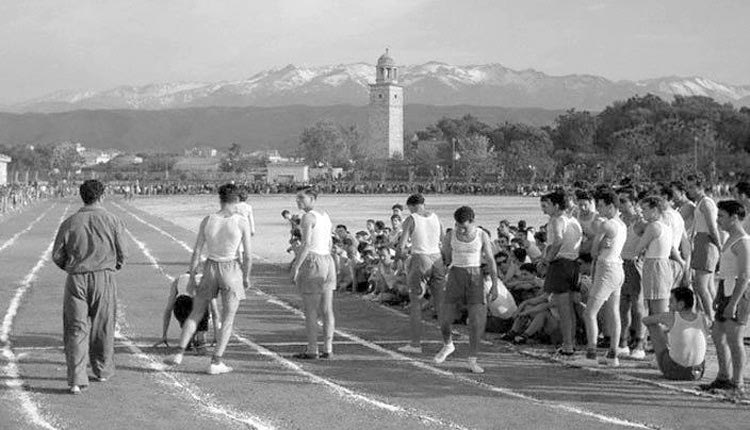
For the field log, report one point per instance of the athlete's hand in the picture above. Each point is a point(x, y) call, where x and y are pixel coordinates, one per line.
point(295, 273)
point(730, 310)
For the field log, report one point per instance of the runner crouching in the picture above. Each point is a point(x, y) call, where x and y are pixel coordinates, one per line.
point(464, 251)
point(222, 234)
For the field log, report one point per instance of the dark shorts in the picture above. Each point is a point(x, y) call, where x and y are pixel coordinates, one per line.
point(676, 372)
point(183, 305)
point(743, 306)
point(425, 271)
point(225, 276)
point(465, 286)
point(632, 284)
point(317, 274)
point(562, 276)
point(705, 255)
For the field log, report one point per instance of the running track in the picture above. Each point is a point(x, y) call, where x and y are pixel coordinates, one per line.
point(367, 385)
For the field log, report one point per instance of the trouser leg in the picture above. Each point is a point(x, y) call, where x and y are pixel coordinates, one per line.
point(102, 310)
point(76, 329)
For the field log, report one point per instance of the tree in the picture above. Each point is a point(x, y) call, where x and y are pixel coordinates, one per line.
point(475, 156)
point(232, 161)
point(65, 158)
point(324, 144)
point(574, 131)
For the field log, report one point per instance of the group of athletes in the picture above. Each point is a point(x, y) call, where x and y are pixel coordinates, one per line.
point(628, 236)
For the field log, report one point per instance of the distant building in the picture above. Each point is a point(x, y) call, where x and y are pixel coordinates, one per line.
point(92, 157)
point(4, 161)
point(201, 151)
point(322, 172)
point(386, 111)
point(285, 173)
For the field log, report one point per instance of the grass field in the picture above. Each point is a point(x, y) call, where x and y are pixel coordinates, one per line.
point(368, 384)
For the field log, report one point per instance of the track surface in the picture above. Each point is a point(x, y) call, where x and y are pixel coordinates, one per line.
point(367, 385)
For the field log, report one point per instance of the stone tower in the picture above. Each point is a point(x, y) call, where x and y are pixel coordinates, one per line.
point(386, 112)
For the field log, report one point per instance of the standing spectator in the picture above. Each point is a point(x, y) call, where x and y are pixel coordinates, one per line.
point(90, 247)
point(706, 243)
point(425, 268)
point(742, 194)
point(732, 301)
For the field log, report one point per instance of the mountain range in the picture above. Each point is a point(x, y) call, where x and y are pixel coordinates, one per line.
point(433, 83)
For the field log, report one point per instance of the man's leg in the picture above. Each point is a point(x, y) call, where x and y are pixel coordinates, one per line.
point(102, 309)
point(659, 341)
point(477, 323)
point(567, 319)
point(592, 328)
point(229, 305)
point(446, 317)
point(76, 329)
point(638, 310)
point(704, 287)
point(329, 320)
point(723, 356)
point(626, 303)
point(311, 302)
point(188, 329)
point(734, 335)
point(612, 316)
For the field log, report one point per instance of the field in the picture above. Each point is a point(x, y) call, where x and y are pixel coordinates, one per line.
point(367, 385)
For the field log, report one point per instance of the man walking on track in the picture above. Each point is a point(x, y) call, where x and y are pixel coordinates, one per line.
point(426, 268)
point(222, 234)
point(466, 249)
point(90, 247)
point(314, 273)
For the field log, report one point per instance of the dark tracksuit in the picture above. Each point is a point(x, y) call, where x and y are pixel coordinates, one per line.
point(90, 247)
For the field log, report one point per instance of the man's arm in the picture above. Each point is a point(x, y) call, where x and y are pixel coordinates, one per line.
point(247, 261)
point(665, 319)
point(740, 249)
point(487, 250)
point(605, 231)
point(408, 230)
point(120, 247)
point(555, 237)
point(447, 251)
point(59, 254)
point(648, 235)
point(197, 249)
point(710, 214)
point(306, 226)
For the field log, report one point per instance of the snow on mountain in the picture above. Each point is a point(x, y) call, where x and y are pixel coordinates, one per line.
point(432, 83)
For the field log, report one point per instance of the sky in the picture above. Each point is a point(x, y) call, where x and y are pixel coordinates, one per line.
point(53, 45)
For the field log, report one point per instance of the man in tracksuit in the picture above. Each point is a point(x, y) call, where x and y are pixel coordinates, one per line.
point(90, 247)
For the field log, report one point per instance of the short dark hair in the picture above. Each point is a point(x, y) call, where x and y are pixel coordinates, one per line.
point(520, 254)
point(684, 295)
point(91, 191)
point(308, 191)
point(678, 185)
point(229, 193)
point(464, 214)
point(628, 195)
point(379, 225)
point(608, 197)
point(743, 188)
point(697, 178)
point(341, 226)
point(396, 216)
point(583, 195)
point(732, 207)
point(556, 198)
point(243, 194)
point(540, 237)
point(655, 202)
point(284, 213)
point(415, 199)
point(528, 267)
point(398, 206)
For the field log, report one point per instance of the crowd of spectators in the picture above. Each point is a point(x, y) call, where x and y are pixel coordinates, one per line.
point(15, 197)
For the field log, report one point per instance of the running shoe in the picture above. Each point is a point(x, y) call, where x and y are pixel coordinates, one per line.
point(408, 349)
point(174, 360)
point(445, 351)
point(591, 358)
point(611, 359)
point(99, 379)
point(638, 354)
point(325, 355)
point(78, 389)
point(218, 369)
point(304, 355)
point(623, 351)
point(473, 366)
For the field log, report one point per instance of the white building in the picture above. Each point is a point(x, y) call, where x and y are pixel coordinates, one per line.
point(4, 161)
point(284, 173)
point(386, 111)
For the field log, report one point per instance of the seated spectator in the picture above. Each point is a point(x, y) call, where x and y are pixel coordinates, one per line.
point(535, 317)
point(679, 337)
point(527, 284)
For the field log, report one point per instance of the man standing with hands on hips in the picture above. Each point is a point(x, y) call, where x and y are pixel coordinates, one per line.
point(90, 247)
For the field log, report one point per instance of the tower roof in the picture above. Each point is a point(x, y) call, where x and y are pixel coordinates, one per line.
point(385, 60)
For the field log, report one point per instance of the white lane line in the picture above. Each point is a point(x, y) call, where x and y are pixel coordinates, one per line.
point(14, 380)
point(336, 388)
point(441, 372)
point(182, 386)
point(12, 240)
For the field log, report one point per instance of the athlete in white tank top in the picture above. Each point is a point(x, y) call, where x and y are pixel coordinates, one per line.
point(223, 236)
point(425, 236)
point(467, 254)
point(320, 239)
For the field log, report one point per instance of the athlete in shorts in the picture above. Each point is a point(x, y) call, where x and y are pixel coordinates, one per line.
point(732, 302)
point(564, 237)
point(426, 270)
point(223, 235)
point(314, 273)
point(631, 294)
point(706, 243)
point(608, 276)
point(466, 250)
